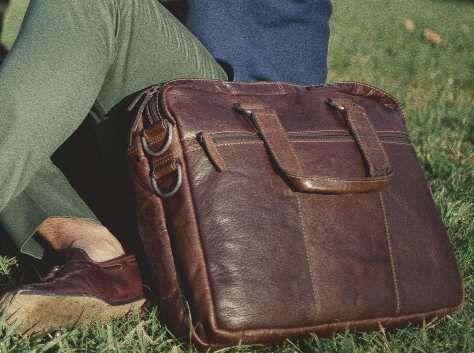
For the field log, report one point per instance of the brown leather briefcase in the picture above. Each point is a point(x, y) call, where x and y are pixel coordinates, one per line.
point(269, 211)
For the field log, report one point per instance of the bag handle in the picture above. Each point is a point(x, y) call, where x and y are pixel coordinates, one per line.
point(281, 151)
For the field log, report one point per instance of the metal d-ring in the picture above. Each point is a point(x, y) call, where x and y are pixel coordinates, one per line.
point(169, 137)
point(179, 179)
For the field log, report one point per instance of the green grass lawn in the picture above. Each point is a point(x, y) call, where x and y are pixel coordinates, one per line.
point(434, 83)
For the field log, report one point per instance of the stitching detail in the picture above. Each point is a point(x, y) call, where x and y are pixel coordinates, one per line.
point(292, 132)
point(166, 159)
point(156, 137)
point(280, 87)
point(240, 143)
point(393, 131)
point(366, 121)
point(319, 87)
point(305, 236)
point(378, 139)
point(359, 140)
point(338, 180)
point(193, 149)
point(313, 141)
point(343, 324)
point(131, 150)
point(398, 143)
point(390, 253)
point(302, 132)
point(285, 136)
point(173, 294)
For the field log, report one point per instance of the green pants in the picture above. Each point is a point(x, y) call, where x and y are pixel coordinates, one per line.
point(75, 58)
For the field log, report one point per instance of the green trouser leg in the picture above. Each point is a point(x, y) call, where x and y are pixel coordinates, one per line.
point(71, 58)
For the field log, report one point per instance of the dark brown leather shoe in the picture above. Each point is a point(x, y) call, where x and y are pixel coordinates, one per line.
point(75, 292)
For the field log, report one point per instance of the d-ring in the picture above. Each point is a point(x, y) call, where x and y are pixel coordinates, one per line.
point(179, 179)
point(169, 137)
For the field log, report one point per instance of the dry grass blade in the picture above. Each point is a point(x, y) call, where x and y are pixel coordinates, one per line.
point(434, 37)
point(408, 24)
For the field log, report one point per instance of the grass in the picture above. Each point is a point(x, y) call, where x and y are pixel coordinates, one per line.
point(369, 43)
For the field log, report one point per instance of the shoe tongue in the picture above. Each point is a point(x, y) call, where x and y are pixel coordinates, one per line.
point(77, 255)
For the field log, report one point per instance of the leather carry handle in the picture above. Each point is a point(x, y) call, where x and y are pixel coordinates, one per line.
point(284, 156)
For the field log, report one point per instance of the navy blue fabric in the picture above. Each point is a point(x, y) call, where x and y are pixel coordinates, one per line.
point(263, 40)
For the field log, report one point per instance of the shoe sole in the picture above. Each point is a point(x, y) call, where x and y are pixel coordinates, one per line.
point(36, 313)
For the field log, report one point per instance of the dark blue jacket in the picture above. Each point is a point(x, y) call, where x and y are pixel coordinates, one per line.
point(270, 40)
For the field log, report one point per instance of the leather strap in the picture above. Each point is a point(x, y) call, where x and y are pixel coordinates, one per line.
point(284, 156)
point(366, 138)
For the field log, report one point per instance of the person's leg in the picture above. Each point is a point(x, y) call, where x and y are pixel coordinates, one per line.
point(47, 195)
point(49, 81)
point(69, 56)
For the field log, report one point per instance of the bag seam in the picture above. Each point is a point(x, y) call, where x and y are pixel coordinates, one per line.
point(392, 265)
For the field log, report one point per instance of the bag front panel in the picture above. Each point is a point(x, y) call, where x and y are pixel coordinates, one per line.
point(268, 248)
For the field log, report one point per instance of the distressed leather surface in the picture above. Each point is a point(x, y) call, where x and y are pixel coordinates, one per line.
point(257, 261)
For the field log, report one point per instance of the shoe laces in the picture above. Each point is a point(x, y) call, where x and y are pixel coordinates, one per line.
point(52, 273)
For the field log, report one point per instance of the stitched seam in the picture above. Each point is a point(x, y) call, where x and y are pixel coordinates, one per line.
point(150, 142)
point(242, 94)
point(385, 94)
point(167, 159)
point(271, 148)
point(305, 237)
point(393, 131)
point(280, 87)
point(155, 138)
point(359, 140)
point(131, 150)
point(313, 141)
point(377, 141)
point(392, 265)
point(174, 293)
point(193, 150)
point(398, 143)
point(304, 131)
point(343, 324)
point(286, 138)
point(319, 88)
point(240, 143)
point(339, 180)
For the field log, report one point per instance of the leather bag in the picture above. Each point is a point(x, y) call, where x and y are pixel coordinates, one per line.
point(270, 211)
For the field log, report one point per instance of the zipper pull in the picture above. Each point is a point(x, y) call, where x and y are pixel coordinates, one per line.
point(211, 151)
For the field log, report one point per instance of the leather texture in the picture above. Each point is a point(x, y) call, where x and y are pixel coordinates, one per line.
point(116, 281)
point(253, 248)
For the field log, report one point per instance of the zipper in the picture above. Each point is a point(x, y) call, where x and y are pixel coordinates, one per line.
point(309, 136)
